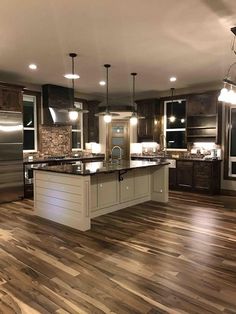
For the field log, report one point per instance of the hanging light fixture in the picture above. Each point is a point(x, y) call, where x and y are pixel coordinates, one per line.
point(134, 116)
point(228, 93)
point(74, 111)
point(172, 118)
point(107, 114)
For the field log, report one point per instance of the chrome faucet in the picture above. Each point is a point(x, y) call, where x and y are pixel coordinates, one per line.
point(116, 147)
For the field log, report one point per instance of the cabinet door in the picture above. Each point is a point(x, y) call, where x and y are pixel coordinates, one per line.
point(147, 129)
point(172, 178)
point(201, 104)
point(202, 175)
point(108, 189)
point(10, 99)
point(127, 187)
point(184, 174)
point(141, 182)
point(93, 122)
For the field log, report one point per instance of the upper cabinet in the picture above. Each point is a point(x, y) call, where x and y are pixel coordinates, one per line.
point(11, 97)
point(149, 128)
point(204, 118)
point(202, 104)
point(91, 122)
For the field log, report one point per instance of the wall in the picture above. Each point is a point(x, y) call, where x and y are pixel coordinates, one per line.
point(55, 140)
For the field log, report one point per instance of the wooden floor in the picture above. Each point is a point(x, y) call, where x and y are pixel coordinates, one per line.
point(149, 258)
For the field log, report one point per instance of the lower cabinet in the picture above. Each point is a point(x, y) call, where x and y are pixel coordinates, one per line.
point(202, 175)
point(184, 174)
point(194, 175)
point(127, 187)
point(108, 189)
point(141, 183)
point(172, 178)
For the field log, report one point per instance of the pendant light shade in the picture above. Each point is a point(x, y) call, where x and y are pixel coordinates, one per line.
point(133, 119)
point(134, 116)
point(73, 114)
point(74, 111)
point(107, 114)
point(228, 92)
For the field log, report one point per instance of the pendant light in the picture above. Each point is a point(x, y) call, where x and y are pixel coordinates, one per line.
point(134, 116)
point(107, 114)
point(172, 117)
point(228, 92)
point(74, 111)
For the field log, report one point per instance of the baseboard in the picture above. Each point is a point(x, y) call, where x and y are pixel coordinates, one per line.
point(228, 192)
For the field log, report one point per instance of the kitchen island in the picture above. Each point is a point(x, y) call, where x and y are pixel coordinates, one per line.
point(73, 194)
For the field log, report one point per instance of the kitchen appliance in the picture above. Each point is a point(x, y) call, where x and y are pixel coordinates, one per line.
point(11, 156)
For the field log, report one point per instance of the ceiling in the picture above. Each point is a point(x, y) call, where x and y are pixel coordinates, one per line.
point(189, 39)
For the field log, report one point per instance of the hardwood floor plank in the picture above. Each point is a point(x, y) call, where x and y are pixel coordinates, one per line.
point(176, 258)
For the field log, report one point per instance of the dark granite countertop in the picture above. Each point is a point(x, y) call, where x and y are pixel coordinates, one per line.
point(164, 158)
point(96, 167)
point(51, 159)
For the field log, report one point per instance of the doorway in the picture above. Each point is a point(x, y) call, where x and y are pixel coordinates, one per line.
point(119, 135)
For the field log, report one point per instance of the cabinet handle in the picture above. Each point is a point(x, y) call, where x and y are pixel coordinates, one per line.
point(100, 185)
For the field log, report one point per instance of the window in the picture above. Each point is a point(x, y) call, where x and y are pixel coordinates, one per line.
point(175, 124)
point(77, 130)
point(30, 123)
point(232, 141)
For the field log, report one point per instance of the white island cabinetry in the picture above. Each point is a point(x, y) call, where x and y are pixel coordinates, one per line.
point(73, 200)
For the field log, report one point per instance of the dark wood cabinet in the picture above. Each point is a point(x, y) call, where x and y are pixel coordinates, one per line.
point(202, 175)
point(184, 174)
point(149, 128)
point(11, 97)
point(91, 122)
point(204, 118)
point(172, 178)
point(192, 175)
point(196, 175)
point(202, 104)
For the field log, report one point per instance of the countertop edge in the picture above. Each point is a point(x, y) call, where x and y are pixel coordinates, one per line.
point(100, 172)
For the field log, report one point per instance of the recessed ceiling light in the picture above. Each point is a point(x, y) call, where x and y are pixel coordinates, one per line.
point(102, 83)
point(173, 79)
point(71, 76)
point(33, 66)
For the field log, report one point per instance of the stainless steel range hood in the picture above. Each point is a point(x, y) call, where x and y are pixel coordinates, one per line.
point(56, 102)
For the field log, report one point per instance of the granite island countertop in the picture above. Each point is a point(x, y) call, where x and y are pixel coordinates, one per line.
point(92, 168)
point(39, 160)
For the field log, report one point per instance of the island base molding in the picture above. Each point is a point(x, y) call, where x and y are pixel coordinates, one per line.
point(73, 200)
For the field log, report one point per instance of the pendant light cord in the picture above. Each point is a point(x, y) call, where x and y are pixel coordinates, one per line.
point(73, 55)
point(133, 94)
point(73, 72)
point(172, 98)
point(107, 66)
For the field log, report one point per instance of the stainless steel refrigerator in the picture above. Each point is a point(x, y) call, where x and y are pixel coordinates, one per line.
point(11, 156)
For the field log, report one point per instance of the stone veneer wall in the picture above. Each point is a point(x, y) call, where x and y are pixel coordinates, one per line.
point(55, 140)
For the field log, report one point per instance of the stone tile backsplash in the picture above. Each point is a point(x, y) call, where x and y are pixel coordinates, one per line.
point(55, 140)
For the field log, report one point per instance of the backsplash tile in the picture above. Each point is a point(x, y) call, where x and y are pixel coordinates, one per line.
point(55, 140)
